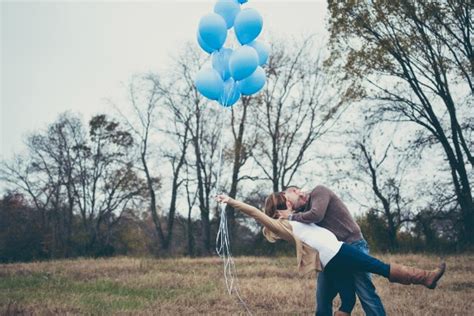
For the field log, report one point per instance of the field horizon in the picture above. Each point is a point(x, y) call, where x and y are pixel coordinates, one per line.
point(183, 286)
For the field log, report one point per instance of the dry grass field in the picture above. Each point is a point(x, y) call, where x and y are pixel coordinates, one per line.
point(196, 286)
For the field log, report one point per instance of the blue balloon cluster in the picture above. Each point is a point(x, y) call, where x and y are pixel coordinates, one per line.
point(233, 72)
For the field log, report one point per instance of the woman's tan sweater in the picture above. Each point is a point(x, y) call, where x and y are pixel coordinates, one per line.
point(307, 258)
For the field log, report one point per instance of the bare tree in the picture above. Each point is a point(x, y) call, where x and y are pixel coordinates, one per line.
point(205, 139)
point(67, 173)
point(156, 116)
point(296, 107)
point(194, 123)
point(386, 187)
point(105, 180)
point(46, 175)
point(418, 60)
point(244, 139)
point(178, 135)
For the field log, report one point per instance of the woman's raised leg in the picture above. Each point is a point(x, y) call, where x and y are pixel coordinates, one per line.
point(352, 258)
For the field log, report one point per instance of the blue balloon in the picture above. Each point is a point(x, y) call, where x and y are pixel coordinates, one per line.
point(220, 62)
point(243, 62)
point(254, 82)
point(262, 51)
point(228, 9)
point(203, 45)
point(242, 1)
point(248, 25)
point(213, 30)
point(209, 83)
point(231, 93)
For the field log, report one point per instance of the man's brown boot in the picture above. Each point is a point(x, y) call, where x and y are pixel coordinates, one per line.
point(409, 275)
point(340, 313)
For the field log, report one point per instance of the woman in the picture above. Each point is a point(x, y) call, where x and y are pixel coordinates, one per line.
point(337, 258)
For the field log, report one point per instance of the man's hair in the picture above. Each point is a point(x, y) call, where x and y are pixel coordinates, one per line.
point(291, 186)
point(275, 202)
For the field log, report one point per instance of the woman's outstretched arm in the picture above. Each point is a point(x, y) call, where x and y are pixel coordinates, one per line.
point(270, 223)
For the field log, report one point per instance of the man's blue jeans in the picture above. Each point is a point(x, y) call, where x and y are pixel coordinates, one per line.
point(365, 290)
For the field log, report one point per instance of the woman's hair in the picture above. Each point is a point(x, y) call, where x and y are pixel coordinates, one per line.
point(275, 202)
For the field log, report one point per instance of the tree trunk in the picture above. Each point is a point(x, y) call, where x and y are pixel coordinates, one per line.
point(235, 173)
point(153, 210)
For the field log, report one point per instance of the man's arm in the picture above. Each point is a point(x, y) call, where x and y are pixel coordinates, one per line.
point(319, 203)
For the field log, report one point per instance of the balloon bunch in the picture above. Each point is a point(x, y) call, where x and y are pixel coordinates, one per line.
point(233, 72)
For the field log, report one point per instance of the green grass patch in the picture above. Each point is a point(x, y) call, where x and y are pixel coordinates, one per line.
point(92, 296)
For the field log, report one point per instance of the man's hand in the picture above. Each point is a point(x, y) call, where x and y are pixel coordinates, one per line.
point(222, 198)
point(284, 214)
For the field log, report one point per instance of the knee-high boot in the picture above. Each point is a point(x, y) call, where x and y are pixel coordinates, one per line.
point(409, 275)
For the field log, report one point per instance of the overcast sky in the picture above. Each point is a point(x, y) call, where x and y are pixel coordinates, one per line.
point(71, 55)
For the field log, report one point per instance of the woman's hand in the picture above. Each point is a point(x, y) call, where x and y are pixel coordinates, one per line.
point(284, 214)
point(222, 198)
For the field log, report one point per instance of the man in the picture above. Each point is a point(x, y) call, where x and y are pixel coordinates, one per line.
point(325, 208)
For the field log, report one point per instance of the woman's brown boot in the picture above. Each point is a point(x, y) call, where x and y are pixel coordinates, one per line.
point(408, 275)
point(340, 313)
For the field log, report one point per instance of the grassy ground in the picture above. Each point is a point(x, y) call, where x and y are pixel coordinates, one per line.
point(196, 286)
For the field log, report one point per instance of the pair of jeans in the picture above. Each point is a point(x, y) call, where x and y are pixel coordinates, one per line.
point(365, 290)
point(341, 268)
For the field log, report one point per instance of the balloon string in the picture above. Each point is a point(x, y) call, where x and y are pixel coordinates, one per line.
point(222, 239)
